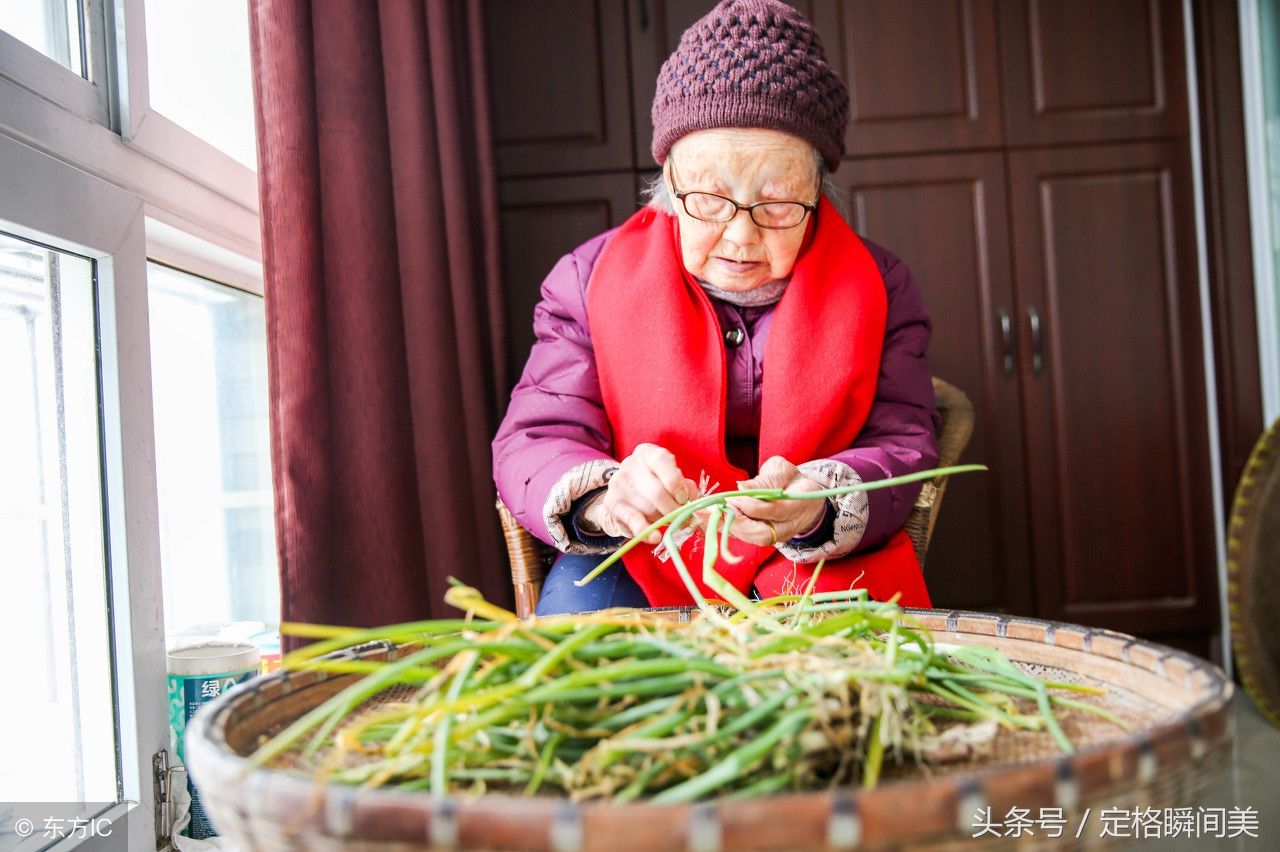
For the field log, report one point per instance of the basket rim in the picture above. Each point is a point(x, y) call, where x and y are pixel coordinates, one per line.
point(1259, 675)
point(941, 804)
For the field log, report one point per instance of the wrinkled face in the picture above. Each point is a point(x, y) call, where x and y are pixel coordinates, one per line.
point(747, 165)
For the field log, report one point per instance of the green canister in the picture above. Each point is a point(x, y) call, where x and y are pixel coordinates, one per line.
point(197, 675)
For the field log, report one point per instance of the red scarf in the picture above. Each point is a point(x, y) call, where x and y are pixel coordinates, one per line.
point(661, 361)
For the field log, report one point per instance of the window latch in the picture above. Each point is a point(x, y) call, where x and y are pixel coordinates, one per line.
point(162, 778)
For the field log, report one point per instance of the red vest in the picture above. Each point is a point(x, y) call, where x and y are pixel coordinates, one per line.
point(661, 361)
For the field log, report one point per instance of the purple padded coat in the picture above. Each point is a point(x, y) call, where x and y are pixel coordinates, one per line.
point(556, 420)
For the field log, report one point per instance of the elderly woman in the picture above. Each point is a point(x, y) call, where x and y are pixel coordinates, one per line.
point(735, 332)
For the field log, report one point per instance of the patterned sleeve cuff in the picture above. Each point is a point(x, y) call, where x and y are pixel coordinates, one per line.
point(824, 530)
point(850, 515)
point(599, 540)
point(557, 511)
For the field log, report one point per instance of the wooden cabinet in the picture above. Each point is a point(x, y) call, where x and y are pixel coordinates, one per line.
point(1081, 350)
point(1113, 385)
point(922, 74)
point(1092, 70)
point(1029, 161)
point(556, 70)
point(541, 220)
point(979, 554)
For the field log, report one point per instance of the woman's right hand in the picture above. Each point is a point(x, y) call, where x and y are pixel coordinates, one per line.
point(647, 486)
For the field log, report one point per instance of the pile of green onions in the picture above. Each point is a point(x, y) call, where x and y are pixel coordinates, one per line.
point(750, 697)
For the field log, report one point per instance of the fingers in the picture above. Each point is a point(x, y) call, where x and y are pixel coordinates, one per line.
point(633, 522)
point(776, 472)
point(772, 510)
point(755, 532)
point(647, 486)
point(765, 522)
point(661, 464)
point(652, 475)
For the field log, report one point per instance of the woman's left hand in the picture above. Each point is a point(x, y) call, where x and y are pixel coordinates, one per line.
point(768, 522)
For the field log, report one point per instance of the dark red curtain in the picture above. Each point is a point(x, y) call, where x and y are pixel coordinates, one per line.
point(379, 220)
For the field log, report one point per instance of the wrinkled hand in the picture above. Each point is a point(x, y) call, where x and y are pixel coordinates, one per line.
point(789, 517)
point(647, 486)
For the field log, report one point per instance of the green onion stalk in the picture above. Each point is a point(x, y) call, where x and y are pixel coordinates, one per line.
point(796, 692)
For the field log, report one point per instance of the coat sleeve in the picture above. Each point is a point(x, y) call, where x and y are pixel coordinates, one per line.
point(899, 436)
point(554, 442)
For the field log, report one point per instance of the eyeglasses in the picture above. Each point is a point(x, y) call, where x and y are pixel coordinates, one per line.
point(775, 215)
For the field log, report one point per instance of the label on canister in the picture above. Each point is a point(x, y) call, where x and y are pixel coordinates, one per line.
point(197, 675)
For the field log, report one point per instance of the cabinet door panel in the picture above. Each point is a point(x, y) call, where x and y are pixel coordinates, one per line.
point(1093, 70)
point(1116, 419)
point(558, 81)
point(542, 220)
point(922, 74)
point(944, 216)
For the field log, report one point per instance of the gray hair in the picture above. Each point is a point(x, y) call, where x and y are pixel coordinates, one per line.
point(657, 192)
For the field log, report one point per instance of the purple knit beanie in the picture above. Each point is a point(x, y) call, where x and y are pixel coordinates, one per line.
point(751, 63)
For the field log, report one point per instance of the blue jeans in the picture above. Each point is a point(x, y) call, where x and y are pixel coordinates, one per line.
point(612, 588)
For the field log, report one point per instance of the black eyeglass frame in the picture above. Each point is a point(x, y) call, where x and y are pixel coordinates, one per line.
point(809, 207)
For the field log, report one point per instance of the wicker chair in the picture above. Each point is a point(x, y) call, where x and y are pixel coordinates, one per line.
point(530, 558)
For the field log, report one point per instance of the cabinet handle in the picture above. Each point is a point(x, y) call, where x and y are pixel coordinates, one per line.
point(1037, 341)
point(644, 15)
point(1006, 340)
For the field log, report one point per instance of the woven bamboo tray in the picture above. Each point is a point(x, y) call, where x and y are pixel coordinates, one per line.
point(1176, 704)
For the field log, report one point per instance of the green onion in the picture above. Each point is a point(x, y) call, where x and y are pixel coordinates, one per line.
point(798, 691)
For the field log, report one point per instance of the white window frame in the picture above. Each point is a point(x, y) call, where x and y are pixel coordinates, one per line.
point(159, 137)
point(221, 219)
point(90, 98)
point(1267, 300)
point(91, 168)
point(106, 224)
point(184, 181)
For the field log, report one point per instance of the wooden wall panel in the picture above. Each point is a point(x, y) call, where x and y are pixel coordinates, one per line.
point(923, 75)
point(557, 69)
point(543, 219)
point(1117, 444)
point(1092, 70)
point(944, 216)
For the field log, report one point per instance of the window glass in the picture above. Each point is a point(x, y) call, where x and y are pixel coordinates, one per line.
point(52, 27)
point(57, 718)
point(199, 73)
point(1269, 33)
point(217, 534)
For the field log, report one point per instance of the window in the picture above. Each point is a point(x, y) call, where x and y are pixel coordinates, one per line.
point(59, 741)
point(53, 27)
point(78, 511)
point(57, 48)
point(1260, 58)
point(105, 479)
point(198, 69)
point(209, 378)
